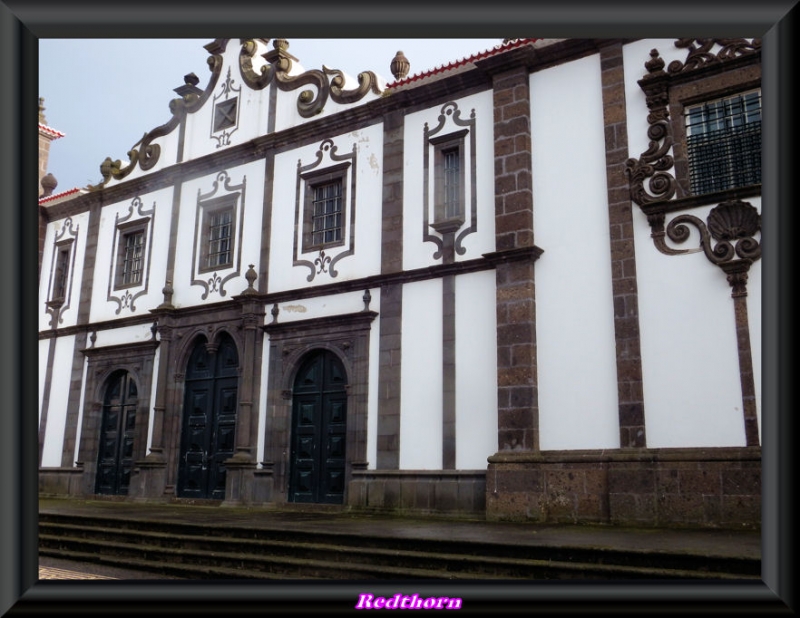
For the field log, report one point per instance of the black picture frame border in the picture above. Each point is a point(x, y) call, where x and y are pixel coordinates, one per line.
point(23, 22)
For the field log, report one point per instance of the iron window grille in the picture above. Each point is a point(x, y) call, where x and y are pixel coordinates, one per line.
point(724, 143)
point(131, 259)
point(326, 224)
point(451, 182)
point(61, 274)
point(448, 158)
point(220, 238)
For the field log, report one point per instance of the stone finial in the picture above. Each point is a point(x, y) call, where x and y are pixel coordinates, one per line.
point(49, 183)
point(399, 65)
point(251, 275)
point(41, 111)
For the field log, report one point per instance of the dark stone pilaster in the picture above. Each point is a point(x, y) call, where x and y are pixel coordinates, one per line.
point(517, 405)
point(630, 391)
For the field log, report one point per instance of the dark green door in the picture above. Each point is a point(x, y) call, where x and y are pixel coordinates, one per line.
point(209, 420)
point(319, 430)
point(115, 459)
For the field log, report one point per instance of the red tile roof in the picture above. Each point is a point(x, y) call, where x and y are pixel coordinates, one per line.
point(50, 198)
point(50, 131)
point(464, 61)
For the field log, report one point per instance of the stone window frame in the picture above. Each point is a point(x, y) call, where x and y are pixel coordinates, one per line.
point(222, 117)
point(63, 260)
point(221, 131)
point(62, 263)
point(232, 196)
point(435, 142)
point(704, 76)
point(309, 176)
point(125, 294)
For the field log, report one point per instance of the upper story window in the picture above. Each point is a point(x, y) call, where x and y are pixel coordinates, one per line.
point(219, 238)
point(723, 143)
point(451, 183)
point(448, 173)
point(326, 225)
point(61, 272)
point(130, 260)
point(325, 207)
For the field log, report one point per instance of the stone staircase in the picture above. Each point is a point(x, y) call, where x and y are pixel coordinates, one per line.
point(194, 551)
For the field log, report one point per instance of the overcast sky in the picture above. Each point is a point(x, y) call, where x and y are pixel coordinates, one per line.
point(105, 94)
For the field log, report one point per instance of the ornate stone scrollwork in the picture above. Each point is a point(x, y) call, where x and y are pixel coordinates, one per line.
point(732, 225)
point(701, 55)
point(326, 82)
point(656, 160)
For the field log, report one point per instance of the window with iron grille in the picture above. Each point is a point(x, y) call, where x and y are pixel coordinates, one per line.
point(326, 225)
point(451, 182)
point(448, 174)
point(219, 236)
point(62, 273)
point(724, 143)
point(130, 265)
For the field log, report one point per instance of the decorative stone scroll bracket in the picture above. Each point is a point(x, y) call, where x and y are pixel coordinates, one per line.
point(728, 239)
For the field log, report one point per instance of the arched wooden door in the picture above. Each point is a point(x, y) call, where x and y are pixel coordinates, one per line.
point(319, 430)
point(118, 420)
point(209, 420)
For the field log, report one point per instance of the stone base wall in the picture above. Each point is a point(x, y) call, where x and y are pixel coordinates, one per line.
point(704, 487)
point(443, 492)
point(61, 482)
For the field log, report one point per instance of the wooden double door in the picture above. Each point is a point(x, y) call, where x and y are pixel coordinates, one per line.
point(319, 430)
point(209, 420)
point(117, 425)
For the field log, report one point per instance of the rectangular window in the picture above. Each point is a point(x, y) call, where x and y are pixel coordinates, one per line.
point(131, 262)
point(724, 143)
point(220, 238)
point(326, 225)
point(448, 178)
point(452, 182)
point(61, 274)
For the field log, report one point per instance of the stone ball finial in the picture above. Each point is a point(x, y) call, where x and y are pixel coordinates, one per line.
point(49, 183)
point(399, 65)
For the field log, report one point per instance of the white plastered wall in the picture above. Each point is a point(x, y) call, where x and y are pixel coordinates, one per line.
point(59, 397)
point(421, 377)
point(692, 388)
point(476, 370)
point(576, 360)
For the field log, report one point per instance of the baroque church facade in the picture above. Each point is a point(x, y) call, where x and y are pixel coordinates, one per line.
point(523, 286)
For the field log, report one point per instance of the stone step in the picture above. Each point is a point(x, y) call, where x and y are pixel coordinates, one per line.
point(290, 542)
point(287, 554)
